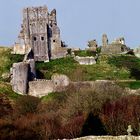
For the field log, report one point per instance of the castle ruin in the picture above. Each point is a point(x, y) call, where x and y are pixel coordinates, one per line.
point(116, 47)
point(40, 35)
point(39, 40)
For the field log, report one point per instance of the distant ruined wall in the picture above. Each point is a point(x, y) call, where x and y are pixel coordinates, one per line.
point(137, 52)
point(89, 60)
point(109, 138)
point(116, 47)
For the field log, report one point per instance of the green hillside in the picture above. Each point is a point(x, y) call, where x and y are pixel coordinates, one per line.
point(7, 59)
point(119, 67)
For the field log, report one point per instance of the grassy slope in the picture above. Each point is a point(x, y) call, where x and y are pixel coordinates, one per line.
point(6, 89)
point(78, 72)
point(117, 67)
point(7, 59)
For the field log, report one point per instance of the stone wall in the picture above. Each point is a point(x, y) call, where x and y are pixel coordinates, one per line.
point(109, 138)
point(40, 33)
point(137, 52)
point(60, 83)
point(113, 49)
point(19, 77)
point(116, 47)
point(41, 88)
point(85, 60)
point(18, 49)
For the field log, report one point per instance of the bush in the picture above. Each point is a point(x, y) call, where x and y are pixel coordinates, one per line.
point(62, 66)
point(117, 115)
point(7, 59)
point(132, 63)
point(84, 53)
point(73, 128)
point(27, 104)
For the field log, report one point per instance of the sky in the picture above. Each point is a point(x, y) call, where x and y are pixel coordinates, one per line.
point(79, 20)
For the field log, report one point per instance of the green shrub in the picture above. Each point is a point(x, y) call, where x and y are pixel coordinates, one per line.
point(7, 59)
point(131, 84)
point(84, 53)
point(27, 104)
point(6, 89)
point(62, 66)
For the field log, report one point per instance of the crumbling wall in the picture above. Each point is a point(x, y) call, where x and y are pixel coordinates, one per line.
point(86, 60)
point(18, 49)
point(42, 87)
point(19, 78)
point(116, 47)
point(137, 52)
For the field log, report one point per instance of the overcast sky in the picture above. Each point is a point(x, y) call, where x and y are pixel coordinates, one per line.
point(79, 20)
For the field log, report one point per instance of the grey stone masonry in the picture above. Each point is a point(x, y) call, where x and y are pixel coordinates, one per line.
point(40, 34)
point(19, 78)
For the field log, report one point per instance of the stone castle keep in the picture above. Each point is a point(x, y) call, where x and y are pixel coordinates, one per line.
point(39, 40)
point(40, 34)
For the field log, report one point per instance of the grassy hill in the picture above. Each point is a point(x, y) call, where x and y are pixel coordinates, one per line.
point(119, 67)
point(113, 67)
point(7, 59)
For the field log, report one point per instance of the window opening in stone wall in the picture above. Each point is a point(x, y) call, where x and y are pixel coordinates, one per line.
point(35, 38)
point(42, 38)
point(53, 40)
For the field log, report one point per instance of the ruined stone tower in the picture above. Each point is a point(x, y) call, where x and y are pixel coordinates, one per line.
point(35, 26)
point(104, 40)
point(40, 34)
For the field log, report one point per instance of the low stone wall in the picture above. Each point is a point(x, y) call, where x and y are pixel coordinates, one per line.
point(60, 83)
point(85, 60)
point(41, 88)
point(109, 138)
